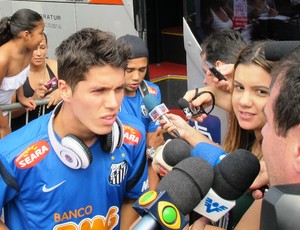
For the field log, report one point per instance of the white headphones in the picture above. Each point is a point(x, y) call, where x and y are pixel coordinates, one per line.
point(73, 152)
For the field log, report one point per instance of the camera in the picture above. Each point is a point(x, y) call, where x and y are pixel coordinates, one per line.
point(52, 83)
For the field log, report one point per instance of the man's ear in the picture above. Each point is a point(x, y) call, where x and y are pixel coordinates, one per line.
point(219, 63)
point(297, 146)
point(64, 90)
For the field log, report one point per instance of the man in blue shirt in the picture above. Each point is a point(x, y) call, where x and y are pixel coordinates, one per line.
point(71, 169)
point(135, 89)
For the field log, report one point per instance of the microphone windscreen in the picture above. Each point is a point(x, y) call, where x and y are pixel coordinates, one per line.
point(276, 50)
point(187, 183)
point(235, 173)
point(150, 101)
point(211, 153)
point(182, 103)
point(175, 151)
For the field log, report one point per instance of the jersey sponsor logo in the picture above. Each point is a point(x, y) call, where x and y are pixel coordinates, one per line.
point(32, 155)
point(131, 135)
point(98, 222)
point(118, 173)
point(152, 90)
point(49, 189)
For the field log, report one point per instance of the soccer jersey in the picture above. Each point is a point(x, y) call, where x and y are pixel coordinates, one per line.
point(50, 195)
point(135, 106)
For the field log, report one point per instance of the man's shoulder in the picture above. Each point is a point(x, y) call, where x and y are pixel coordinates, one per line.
point(131, 120)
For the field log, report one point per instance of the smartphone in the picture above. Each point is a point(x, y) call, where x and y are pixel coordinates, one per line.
point(215, 72)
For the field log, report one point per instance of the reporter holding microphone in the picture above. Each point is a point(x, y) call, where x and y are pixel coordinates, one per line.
point(281, 150)
point(247, 96)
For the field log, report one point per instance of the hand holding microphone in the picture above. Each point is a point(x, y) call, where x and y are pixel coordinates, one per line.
point(169, 154)
point(157, 111)
point(176, 150)
point(205, 104)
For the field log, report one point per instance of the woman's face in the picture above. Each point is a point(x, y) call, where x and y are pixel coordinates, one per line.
point(39, 55)
point(250, 94)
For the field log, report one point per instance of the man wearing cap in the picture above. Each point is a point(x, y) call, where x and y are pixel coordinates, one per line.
point(135, 88)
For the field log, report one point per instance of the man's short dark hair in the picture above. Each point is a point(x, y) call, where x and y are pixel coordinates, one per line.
point(89, 48)
point(286, 107)
point(223, 45)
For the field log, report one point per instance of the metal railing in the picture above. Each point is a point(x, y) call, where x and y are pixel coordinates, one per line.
point(17, 105)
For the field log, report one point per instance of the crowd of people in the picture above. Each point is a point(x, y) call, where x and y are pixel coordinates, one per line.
point(84, 162)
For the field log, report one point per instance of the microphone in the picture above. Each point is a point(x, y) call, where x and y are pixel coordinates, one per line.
point(176, 195)
point(157, 111)
point(185, 107)
point(169, 154)
point(175, 150)
point(232, 177)
point(274, 51)
point(198, 110)
point(281, 207)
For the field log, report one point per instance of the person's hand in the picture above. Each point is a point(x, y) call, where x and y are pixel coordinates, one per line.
point(156, 138)
point(40, 91)
point(176, 123)
point(203, 100)
point(261, 181)
point(54, 97)
point(27, 102)
point(200, 224)
point(227, 71)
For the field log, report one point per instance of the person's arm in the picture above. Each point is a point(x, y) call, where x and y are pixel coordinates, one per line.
point(154, 140)
point(252, 215)
point(4, 128)
point(187, 132)
point(27, 102)
point(128, 214)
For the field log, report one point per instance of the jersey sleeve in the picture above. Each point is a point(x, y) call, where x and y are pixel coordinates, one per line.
point(8, 183)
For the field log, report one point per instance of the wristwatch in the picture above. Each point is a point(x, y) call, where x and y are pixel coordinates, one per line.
point(150, 152)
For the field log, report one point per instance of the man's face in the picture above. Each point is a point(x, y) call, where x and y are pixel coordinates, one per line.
point(278, 151)
point(95, 101)
point(134, 74)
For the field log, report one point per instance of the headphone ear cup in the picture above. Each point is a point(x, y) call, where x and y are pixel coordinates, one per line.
point(79, 148)
point(106, 142)
point(119, 132)
point(114, 139)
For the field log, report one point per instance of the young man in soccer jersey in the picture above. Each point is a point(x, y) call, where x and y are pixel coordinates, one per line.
point(70, 169)
point(135, 86)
